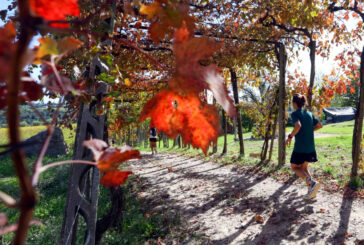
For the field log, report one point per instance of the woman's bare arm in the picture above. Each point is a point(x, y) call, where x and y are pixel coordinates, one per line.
point(297, 127)
point(317, 126)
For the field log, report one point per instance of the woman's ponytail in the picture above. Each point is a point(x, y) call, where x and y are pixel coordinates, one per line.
point(300, 100)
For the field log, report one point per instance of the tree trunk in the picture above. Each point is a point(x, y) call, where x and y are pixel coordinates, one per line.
point(214, 147)
point(129, 136)
point(234, 129)
point(312, 46)
point(358, 127)
point(224, 123)
point(273, 137)
point(146, 136)
point(238, 117)
point(159, 140)
point(268, 132)
point(282, 57)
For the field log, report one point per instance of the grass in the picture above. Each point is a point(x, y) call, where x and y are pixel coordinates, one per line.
point(137, 226)
point(335, 128)
point(334, 154)
point(26, 132)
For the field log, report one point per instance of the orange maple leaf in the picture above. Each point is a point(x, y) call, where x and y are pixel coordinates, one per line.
point(116, 178)
point(191, 76)
point(112, 157)
point(109, 158)
point(352, 90)
point(166, 17)
point(176, 114)
point(55, 10)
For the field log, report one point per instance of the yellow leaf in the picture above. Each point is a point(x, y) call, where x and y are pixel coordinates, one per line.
point(127, 82)
point(48, 46)
point(150, 10)
point(68, 44)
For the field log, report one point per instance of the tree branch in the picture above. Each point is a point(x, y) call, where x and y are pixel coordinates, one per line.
point(28, 195)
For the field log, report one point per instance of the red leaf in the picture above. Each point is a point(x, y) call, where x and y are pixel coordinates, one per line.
point(112, 157)
point(166, 17)
point(32, 89)
point(192, 76)
point(108, 158)
point(217, 86)
point(96, 146)
point(352, 90)
point(55, 10)
point(3, 93)
point(61, 85)
point(116, 178)
point(174, 114)
point(7, 48)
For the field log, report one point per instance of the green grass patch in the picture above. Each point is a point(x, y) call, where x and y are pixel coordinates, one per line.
point(334, 128)
point(334, 154)
point(27, 132)
point(138, 225)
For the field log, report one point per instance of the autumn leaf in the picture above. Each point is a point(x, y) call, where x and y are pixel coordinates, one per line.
point(55, 10)
point(3, 93)
point(7, 49)
point(96, 146)
point(217, 87)
point(68, 44)
point(109, 158)
point(116, 178)
point(166, 17)
point(175, 114)
point(150, 10)
point(193, 77)
point(112, 157)
point(259, 219)
point(32, 90)
point(60, 84)
point(352, 90)
point(29, 91)
point(50, 46)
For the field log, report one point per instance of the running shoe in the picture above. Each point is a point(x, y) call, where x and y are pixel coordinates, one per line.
point(315, 186)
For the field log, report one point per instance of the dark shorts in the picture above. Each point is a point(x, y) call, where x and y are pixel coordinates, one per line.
point(153, 139)
point(300, 158)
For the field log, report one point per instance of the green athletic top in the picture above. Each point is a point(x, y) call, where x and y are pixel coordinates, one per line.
point(304, 139)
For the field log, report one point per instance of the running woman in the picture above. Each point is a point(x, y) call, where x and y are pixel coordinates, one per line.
point(153, 139)
point(304, 147)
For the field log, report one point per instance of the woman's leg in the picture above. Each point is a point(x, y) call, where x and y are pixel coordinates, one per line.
point(298, 169)
point(305, 169)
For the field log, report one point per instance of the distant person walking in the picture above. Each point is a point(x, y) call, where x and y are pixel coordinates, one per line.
point(153, 139)
point(304, 147)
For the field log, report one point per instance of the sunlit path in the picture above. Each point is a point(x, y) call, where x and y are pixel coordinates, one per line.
point(225, 205)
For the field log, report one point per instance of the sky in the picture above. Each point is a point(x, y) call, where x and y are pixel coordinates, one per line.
point(324, 66)
point(4, 5)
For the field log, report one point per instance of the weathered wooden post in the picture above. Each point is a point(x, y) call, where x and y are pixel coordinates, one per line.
point(82, 195)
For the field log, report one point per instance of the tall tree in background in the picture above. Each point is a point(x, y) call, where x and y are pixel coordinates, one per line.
point(357, 9)
point(234, 84)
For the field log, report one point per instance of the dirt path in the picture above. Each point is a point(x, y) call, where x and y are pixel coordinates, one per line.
point(228, 206)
